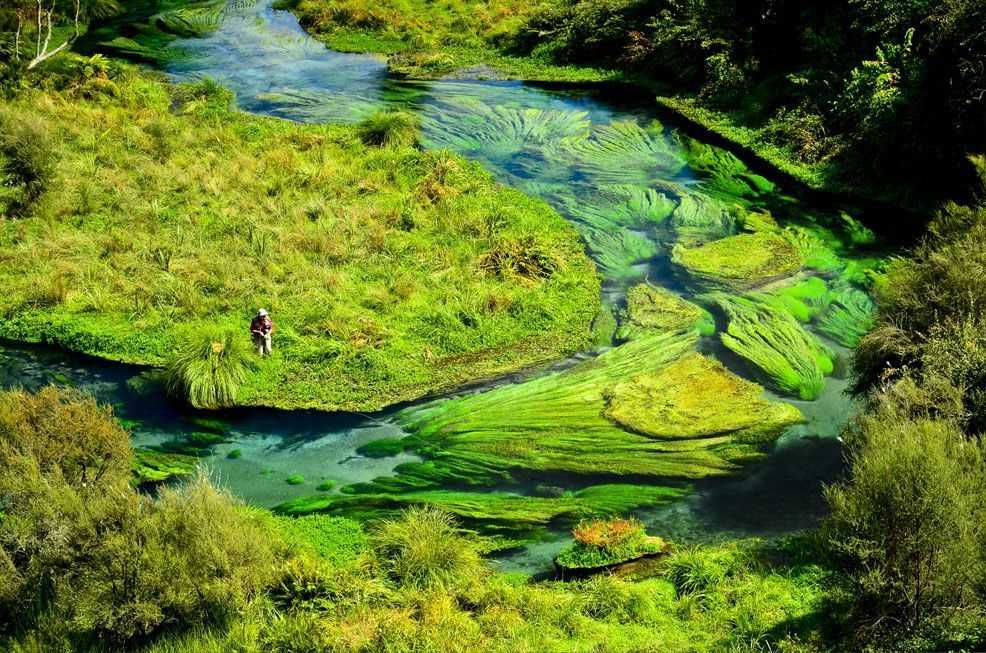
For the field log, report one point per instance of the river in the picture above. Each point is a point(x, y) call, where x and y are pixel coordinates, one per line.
point(276, 69)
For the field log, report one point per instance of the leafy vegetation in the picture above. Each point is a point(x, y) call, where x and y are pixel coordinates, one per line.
point(194, 571)
point(605, 542)
point(390, 272)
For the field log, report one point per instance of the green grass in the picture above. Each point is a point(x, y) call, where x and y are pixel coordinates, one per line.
point(374, 261)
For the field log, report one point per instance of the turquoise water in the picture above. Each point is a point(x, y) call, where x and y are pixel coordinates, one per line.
point(520, 133)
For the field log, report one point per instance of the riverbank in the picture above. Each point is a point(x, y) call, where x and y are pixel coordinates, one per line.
point(167, 216)
point(497, 41)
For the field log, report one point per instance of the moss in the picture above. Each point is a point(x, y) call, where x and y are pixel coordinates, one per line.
point(738, 262)
point(697, 397)
point(326, 486)
point(792, 360)
point(382, 448)
point(652, 308)
point(295, 479)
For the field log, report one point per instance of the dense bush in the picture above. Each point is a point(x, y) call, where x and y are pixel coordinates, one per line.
point(86, 558)
point(27, 162)
point(909, 523)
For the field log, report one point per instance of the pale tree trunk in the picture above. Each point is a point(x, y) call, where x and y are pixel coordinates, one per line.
point(17, 37)
point(45, 22)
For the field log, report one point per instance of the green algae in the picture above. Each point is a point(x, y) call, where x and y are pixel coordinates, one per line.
point(151, 466)
point(519, 518)
point(791, 359)
point(848, 317)
point(653, 308)
point(295, 479)
point(699, 219)
point(697, 397)
point(739, 262)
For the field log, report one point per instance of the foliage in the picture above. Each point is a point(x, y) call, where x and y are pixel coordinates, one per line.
point(81, 548)
point(171, 215)
point(908, 523)
point(603, 542)
point(208, 370)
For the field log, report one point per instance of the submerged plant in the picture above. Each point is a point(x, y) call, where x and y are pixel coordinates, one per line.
point(208, 370)
point(624, 152)
point(738, 262)
point(793, 360)
point(722, 172)
point(700, 218)
point(498, 132)
point(849, 316)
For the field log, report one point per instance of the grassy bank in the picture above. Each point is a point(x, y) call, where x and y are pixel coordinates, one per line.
point(159, 218)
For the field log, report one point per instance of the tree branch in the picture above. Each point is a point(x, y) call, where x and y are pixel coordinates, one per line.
point(42, 53)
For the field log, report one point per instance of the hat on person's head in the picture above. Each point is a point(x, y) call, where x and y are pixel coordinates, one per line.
point(262, 312)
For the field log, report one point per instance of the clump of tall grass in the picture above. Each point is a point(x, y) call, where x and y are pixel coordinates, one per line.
point(390, 129)
point(208, 370)
point(424, 548)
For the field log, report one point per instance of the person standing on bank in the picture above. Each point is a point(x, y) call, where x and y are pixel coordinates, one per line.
point(261, 327)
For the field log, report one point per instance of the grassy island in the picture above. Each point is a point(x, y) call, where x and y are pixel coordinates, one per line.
point(162, 219)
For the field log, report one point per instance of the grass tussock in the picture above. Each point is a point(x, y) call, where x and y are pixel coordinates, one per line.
point(208, 370)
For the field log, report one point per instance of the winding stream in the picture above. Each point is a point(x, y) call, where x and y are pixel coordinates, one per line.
point(276, 69)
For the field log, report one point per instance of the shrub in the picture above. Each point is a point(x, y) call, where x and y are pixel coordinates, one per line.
point(908, 524)
point(27, 161)
point(602, 542)
point(390, 129)
point(424, 548)
point(66, 433)
point(208, 370)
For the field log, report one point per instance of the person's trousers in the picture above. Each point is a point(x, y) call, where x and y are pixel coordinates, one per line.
point(262, 343)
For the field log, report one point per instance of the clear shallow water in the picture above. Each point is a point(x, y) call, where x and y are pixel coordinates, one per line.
point(514, 130)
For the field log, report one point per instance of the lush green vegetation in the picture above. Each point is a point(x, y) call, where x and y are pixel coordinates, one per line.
point(827, 94)
point(91, 565)
point(602, 543)
point(152, 222)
